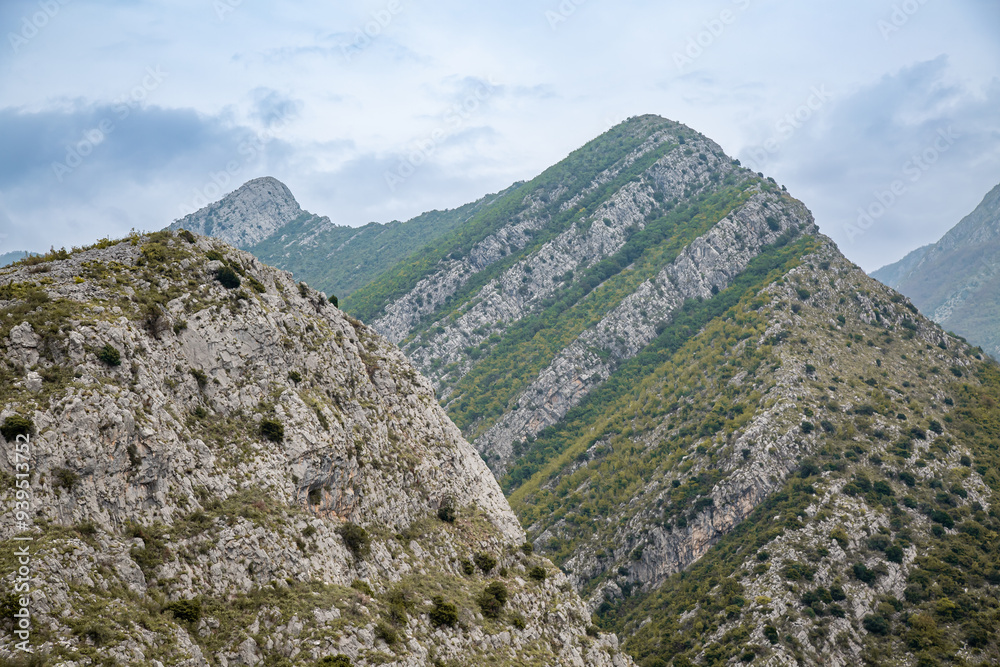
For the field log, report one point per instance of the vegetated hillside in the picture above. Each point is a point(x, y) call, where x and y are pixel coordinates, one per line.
point(249, 214)
point(810, 478)
point(521, 312)
point(739, 447)
point(956, 281)
point(226, 469)
point(339, 260)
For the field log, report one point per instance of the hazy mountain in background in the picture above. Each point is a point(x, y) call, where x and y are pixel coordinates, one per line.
point(956, 281)
point(11, 257)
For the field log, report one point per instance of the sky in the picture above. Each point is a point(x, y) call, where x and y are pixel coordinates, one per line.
point(883, 116)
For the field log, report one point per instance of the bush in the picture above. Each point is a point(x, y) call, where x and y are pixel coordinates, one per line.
point(443, 613)
point(187, 236)
point(876, 624)
point(16, 425)
point(110, 355)
point(807, 427)
point(185, 610)
point(272, 430)
point(227, 277)
point(386, 633)
point(447, 514)
point(339, 660)
point(65, 478)
point(863, 574)
point(527, 548)
point(771, 633)
point(537, 573)
point(355, 538)
point(492, 599)
point(484, 562)
point(894, 554)
point(467, 567)
point(335, 301)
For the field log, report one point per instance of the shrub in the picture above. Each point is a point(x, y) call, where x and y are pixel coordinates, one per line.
point(386, 633)
point(443, 613)
point(467, 566)
point(863, 574)
point(527, 548)
point(200, 377)
point(803, 293)
point(339, 660)
point(16, 425)
point(110, 355)
point(447, 514)
point(362, 587)
point(185, 610)
point(484, 562)
point(295, 376)
point(894, 554)
point(807, 427)
point(335, 301)
point(187, 236)
point(272, 430)
point(537, 573)
point(771, 633)
point(492, 599)
point(876, 624)
point(943, 518)
point(65, 478)
point(355, 538)
point(841, 537)
point(227, 277)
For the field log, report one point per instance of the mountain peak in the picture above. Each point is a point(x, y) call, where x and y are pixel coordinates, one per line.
point(249, 214)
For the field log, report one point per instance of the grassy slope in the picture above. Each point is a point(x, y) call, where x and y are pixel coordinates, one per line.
point(320, 260)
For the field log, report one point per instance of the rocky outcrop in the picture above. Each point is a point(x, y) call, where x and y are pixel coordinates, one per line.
point(246, 216)
point(229, 470)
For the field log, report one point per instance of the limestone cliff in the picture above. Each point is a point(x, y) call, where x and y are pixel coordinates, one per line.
point(227, 470)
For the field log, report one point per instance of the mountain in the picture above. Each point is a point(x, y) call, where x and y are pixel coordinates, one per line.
point(215, 466)
point(339, 259)
point(253, 212)
point(956, 281)
point(739, 447)
point(11, 257)
point(263, 217)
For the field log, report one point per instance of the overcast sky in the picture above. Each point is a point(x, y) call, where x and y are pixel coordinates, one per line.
point(883, 116)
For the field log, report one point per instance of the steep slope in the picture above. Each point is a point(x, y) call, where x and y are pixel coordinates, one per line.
point(249, 214)
point(690, 396)
point(339, 260)
point(956, 281)
point(810, 478)
point(218, 467)
point(892, 274)
point(520, 313)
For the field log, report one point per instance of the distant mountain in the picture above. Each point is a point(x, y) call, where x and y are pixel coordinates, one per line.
point(11, 257)
point(263, 217)
point(339, 260)
point(956, 281)
point(739, 447)
point(246, 216)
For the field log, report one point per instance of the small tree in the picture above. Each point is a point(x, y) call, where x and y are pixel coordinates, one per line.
point(16, 425)
point(443, 613)
point(273, 430)
point(110, 355)
point(356, 539)
point(492, 599)
point(227, 277)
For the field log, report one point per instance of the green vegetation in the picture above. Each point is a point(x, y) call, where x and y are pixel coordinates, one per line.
point(272, 429)
point(356, 539)
point(227, 277)
point(492, 599)
point(443, 613)
point(110, 355)
point(16, 425)
point(574, 173)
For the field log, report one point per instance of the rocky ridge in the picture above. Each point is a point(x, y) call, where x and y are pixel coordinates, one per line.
point(955, 280)
point(248, 215)
point(228, 470)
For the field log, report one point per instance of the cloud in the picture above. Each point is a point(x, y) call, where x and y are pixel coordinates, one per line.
point(887, 168)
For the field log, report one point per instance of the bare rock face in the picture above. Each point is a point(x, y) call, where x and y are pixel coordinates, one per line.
point(226, 469)
point(246, 216)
